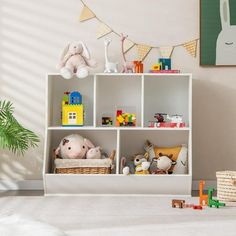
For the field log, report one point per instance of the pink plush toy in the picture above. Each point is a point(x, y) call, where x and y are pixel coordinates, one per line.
point(73, 146)
point(75, 58)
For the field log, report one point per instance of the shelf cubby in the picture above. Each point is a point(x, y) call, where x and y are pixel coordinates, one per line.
point(118, 91)
point(166, 94)
point(56, 88)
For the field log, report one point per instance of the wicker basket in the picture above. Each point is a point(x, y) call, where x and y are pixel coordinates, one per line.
point(226, 186)
point(84, 166)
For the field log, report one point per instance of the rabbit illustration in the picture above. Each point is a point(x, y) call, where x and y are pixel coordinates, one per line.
point(226, 41)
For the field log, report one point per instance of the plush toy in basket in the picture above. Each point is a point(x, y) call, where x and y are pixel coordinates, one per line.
point(77, 155)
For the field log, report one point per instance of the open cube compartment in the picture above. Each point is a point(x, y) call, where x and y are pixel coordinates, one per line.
point(56, 88)
point(114, 92)
point(166, 94)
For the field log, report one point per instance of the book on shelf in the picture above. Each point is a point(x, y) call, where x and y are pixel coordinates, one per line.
point(164, 71)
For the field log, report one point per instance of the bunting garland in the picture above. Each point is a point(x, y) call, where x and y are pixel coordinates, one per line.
point(142, 49)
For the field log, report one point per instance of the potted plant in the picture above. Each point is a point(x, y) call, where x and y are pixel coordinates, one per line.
point(13, 135)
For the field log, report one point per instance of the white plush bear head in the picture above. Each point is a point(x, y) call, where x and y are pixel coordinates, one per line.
point(164, 162)
point(94, 153)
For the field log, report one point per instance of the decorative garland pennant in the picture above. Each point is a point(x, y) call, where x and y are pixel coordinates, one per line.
point(142, 49)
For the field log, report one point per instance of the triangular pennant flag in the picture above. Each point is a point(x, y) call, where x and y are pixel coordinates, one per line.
point(166, 51)
point(103, 30)
point(128, 45)
point(143, 51)
point(191, 47)
point(86, 14)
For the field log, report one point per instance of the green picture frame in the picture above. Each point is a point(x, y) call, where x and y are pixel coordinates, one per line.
point(218, 32)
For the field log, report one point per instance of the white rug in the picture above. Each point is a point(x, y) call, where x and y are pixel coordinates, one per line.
point(121, 216)
point(17, 225)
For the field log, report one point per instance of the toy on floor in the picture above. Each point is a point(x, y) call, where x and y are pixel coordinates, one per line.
point(176, 203)
point(203, 198)
point(125, 119)
point(72, 109)
point(110, 67)
point(180, 156)
point(127, 66)
point(73, 146)
point(212, 202)
point(75, 59)
point(164, 162)
point(197, 207)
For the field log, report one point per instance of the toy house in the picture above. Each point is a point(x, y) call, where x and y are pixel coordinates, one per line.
point(72, 109)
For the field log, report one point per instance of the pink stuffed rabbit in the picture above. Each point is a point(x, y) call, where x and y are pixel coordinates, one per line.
point(75, 58)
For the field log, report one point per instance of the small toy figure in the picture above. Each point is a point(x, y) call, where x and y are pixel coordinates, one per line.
point(164, 162)
point(127, 66)
point(213, 202)
point(72, 109)
point(197, 207)
point(75, 58)
point(160, 117)
point(178, 203)
point(141, 164)
point(165, 63)
point(107, 121)
point(203, 198)
point(110, 67)
point(138, 66)
point(125, 119)
point(174, 118)
point(156, 66)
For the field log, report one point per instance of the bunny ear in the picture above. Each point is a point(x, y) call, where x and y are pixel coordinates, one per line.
point(85, 53)
point(64, 52)
point(224, 13)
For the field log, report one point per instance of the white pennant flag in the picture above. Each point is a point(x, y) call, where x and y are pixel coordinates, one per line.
point(128, 44)
point(103, 30)
point(166, 52)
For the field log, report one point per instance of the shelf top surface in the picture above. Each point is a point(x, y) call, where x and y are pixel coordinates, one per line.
point(133, 74)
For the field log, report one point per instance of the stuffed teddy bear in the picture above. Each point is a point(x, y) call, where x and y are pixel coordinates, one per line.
point(94, 153)
point(75, 58)
point(73, 146)
point(141, 165)
point(163, 164)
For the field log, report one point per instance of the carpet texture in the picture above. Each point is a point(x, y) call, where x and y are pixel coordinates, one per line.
point(123, 216)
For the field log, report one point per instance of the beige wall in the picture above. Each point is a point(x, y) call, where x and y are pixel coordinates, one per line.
point(32, 34)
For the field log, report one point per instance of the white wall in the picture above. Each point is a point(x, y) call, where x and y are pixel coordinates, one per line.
point(32, 34)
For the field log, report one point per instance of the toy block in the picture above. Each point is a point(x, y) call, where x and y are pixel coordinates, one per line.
point(187, 205)
point(178, 203)
point(212, 202)
point(203, 198)
point(197, 207)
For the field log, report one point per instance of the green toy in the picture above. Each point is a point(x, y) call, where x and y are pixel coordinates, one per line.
point(213, 202)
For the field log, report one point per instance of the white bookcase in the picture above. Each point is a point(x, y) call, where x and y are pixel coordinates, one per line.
point(103, 93)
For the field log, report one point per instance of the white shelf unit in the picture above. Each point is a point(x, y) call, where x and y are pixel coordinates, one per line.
point(103, 93)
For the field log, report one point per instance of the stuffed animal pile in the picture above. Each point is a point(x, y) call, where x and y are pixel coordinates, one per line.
point(156, 160)
point(75, 146)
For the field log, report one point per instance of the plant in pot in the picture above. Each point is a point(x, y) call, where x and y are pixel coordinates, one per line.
point(13, 135)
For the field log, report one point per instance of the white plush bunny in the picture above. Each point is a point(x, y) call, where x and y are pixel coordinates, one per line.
point(226, 41)
point(75, 58)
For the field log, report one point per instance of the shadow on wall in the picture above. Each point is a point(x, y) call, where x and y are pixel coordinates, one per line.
point(214, 128)
point(28, 50)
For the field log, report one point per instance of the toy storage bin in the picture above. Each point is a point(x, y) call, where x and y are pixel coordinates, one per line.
point(226, 186)
point(84, 166)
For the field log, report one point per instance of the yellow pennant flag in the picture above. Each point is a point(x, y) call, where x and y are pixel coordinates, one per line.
point(86, 14)
point(166, 52)
point(143, 51)
point(191, 47)
point(103, 30)
point(128, 45)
